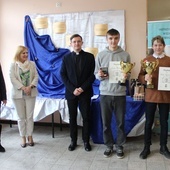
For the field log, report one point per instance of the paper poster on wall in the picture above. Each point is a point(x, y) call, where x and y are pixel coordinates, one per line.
point(83, 23)
point(161, 28)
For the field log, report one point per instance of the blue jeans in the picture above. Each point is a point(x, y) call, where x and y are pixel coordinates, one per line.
point(110, 105)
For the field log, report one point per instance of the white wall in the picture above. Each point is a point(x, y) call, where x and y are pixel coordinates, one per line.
point(12, 14)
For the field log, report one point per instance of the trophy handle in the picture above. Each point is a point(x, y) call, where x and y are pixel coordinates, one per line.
point(134, 64)
point(142, 65)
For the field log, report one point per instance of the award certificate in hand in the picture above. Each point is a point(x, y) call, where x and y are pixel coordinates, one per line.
point(164, 78)
point(114, 72)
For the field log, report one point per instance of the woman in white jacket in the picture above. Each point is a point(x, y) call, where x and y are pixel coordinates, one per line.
point(24, 79)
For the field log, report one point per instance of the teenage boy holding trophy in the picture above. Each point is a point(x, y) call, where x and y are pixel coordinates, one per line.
point(112, 93)
point(151, 75)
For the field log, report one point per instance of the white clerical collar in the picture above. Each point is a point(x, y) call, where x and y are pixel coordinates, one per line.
point(77, 53)
point(159, 56)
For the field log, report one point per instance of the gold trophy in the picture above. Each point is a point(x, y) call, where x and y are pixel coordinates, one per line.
point(149, 67)
point(126, 67)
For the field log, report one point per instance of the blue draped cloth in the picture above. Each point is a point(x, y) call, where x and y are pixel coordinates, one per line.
point(47, 59)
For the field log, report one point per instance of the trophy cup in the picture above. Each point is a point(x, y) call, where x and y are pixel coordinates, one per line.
point(149, 67)
point(126, 67)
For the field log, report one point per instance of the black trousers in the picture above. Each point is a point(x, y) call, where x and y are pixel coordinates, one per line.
point(150, 114)
point(84, 106)
point(0, 132)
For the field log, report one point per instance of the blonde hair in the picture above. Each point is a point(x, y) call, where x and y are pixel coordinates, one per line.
point(19, 50)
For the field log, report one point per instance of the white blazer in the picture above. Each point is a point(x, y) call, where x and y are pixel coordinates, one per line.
point(17, 82)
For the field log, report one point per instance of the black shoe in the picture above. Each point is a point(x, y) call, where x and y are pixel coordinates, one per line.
point(87, 146)
point(119, 152)
point(144, 154)
point(2, 149)
point(72, 146)
point(108, 152)
point(164, 151)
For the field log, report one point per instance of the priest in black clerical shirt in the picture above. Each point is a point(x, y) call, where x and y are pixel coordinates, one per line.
point(77, 73)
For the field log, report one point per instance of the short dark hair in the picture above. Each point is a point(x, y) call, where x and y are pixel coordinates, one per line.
point(159, 39)
point(75, 35)
point(112, 32)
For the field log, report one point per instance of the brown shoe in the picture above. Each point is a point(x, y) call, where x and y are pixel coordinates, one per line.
point(30, 141)
point(23, 143)
point(31, 144)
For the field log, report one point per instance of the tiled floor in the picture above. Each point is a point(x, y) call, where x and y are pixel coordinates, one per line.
point(52, 153)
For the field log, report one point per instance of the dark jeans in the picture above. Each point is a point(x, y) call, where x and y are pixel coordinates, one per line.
point(110, 104)
point(84, 107)
point(150, 114)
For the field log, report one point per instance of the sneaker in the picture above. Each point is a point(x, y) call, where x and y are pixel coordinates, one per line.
point(108, 152)
point(119, 152)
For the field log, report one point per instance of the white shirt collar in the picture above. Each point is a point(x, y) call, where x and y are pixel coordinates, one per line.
point(159, 56)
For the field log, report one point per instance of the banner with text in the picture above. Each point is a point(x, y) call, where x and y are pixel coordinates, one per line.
point(161, 28)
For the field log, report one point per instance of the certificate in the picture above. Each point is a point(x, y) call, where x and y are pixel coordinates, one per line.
point(114, 72)
point(164, 78)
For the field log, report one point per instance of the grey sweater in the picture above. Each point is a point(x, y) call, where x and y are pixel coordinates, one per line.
point(102, 60)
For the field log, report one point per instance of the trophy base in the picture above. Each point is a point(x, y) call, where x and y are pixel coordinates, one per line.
point(149, 86)
point(122, 84)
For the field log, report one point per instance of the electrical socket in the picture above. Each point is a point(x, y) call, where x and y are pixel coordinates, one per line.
point(58, 4)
